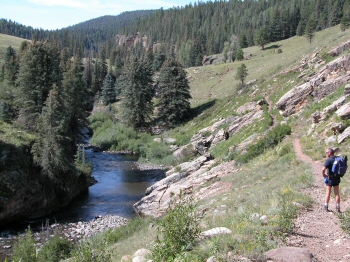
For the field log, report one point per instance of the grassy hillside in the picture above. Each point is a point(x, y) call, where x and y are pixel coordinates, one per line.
point(270, 184)
point(7, 40)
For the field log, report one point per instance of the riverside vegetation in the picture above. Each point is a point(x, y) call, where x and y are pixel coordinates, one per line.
point(269, 182)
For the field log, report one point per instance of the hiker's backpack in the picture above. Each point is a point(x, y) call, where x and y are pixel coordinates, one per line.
point(339, 166)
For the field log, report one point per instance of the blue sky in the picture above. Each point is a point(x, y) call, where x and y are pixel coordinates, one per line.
point(57, 14)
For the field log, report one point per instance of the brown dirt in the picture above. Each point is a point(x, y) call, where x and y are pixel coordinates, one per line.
point(315, 229)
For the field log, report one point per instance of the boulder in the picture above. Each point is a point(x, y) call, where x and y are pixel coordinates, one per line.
point(220, 136)
point(187, 151)
point(344, 135)
point(142, 252)
point(216, 232)
point(340, 48)
point(202, 183)
point(319, 85)
point(289, 254)
point(344, 111)
point(248, 107)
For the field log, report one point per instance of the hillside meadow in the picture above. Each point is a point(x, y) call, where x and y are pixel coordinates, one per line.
point(270, 184)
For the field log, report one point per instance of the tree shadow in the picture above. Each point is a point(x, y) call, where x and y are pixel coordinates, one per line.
point(272, 47)
point(196, 111)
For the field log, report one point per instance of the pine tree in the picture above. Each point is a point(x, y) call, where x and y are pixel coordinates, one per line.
point(108, 90)
point(104, 65)
point(310, 30)
point(242, 73)
point(262, 37)
point(5, 111)
point(39, 71)
point(49, 150)
point(11, 65)
point(138, 91)
point(75, 99)
point(174, 93)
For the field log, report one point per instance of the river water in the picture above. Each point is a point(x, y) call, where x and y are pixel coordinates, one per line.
point(120, 184)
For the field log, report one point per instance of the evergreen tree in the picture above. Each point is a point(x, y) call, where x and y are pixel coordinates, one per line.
point(239, 55)
point(11, 65)
point(95, 84)
point(104, 65)
point(174, 93)
point(242, 73)
point(243, 42)
point(5, 111)
point(138, 91)
point(49, 150)
point(159, 59)
point(262, 37)
point(310, 30)
point(344, 23)
point(108, 90)
point(75, 99)
point(39, 71)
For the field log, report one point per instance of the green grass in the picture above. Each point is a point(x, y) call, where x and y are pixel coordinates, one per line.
point(8, 40)
point(11, 135)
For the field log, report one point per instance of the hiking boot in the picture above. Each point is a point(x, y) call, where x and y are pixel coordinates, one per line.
point(337, 209)
point(326, 208)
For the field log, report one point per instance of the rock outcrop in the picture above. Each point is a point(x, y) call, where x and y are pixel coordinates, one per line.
point(25, 193)
point(326, 81)
point(289, 254)
point(161, 194)
point(340, 48)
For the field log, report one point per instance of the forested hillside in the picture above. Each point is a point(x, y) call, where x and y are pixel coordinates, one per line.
point(199, 29)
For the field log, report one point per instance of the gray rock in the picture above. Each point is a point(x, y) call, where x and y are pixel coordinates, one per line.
point(139, 259)
point(212, 259)
point(344, 135)
point(289, 254)
point(216, 231)
point(344, 111)
point(142, 252)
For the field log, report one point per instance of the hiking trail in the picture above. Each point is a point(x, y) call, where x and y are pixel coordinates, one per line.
point(316, 230)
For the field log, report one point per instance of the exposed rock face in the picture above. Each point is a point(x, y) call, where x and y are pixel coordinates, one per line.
point(320, 85)
point(344, 135)
point(289, 254)
point(320, 116)
point(211, 59)
point(339, 49)
point(26, 194)
point(211, 136)
point(344, 111)
point(161, 194)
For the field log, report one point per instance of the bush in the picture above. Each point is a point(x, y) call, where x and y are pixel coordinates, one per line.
point(270, 140)
point(55, 250)
point(92, 250)
point(179, 230)
point(25, 250)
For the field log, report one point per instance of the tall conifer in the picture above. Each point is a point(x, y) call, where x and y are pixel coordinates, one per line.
point(174, 93)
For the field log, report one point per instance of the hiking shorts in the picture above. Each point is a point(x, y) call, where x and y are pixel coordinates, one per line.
point(333, 181)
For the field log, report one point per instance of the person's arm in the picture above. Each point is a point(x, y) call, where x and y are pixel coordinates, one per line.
point(324, 171)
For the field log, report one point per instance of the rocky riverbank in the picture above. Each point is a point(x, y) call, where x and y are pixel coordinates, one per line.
point(74, 232)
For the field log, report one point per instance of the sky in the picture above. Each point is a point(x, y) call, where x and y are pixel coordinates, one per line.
point(57, 14)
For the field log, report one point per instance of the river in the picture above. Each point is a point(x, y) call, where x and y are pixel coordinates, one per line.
point(120, 184)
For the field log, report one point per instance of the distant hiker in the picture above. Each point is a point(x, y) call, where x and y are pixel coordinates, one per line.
point(331, 180)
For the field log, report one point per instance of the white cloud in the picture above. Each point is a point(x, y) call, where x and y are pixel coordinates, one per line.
point(101, 5)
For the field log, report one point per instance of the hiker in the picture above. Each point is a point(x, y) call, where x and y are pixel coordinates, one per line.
point(331, 180)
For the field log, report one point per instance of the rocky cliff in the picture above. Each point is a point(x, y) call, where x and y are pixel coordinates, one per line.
point(25, 193)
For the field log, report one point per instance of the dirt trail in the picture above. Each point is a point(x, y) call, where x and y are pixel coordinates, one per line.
point(317, 230)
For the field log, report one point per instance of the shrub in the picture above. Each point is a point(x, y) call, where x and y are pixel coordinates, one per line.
point(55, 250)
point(270, 140)
point(92, 250)
point(25, 250)
point(179, 230)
